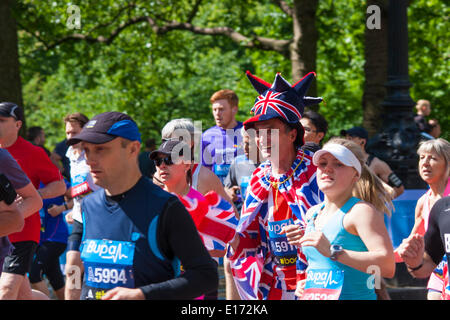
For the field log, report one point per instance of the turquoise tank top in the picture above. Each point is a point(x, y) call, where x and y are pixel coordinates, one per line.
point(356, 285)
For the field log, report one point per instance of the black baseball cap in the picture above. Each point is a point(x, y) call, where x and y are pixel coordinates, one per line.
point(171, 147)
point(10, 109)
point(107, 126)
point(356, 132)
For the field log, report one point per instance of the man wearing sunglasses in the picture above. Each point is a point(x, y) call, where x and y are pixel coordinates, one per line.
point(134, 234)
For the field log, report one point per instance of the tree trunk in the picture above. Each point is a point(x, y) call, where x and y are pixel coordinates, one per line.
point(10, 84)
point(375, 70)
point(303, 49)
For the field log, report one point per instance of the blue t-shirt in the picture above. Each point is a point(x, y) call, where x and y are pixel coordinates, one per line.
point(220, 147)
point(53, 229)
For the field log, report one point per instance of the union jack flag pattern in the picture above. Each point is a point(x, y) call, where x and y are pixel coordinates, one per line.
point(264, 214)
point(280, 100)
point(246, 274)
point(213, 216)
point(269, 102)
point(445, 285)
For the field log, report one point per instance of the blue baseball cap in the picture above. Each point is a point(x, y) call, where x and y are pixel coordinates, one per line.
point(107, 126)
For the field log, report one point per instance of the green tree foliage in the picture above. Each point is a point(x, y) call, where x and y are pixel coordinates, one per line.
point(429, 57)
point(155, 78)
point(340, 62)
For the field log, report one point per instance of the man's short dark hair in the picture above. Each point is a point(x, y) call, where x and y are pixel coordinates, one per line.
point(150, 143)
point(33, 132)
point(318, 120)
point(299, 141)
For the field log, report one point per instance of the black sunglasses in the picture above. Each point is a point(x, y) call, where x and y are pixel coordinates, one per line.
point(167, 161)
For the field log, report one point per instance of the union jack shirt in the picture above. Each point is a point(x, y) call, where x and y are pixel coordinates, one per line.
point(270, 204)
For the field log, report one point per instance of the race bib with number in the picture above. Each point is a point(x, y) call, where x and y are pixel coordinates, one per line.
point(323, 284)
point(283, 253)
point(80, 186)
point(108, 264)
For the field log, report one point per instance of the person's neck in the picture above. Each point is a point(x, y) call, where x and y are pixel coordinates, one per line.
point(333, 202)
point(230, 125)
point(438, 188)
point(284, 162)
point(365, 154)
point(123, 185)
point(181, 189)
point(254, 159)
point(8, 142)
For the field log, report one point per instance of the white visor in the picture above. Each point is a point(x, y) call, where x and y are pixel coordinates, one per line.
point(341, 153)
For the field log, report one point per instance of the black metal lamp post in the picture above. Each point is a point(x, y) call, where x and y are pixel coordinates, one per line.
point(397, 141)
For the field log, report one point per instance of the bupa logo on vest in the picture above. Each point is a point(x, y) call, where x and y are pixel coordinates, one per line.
point(324, 278)
point(275, 227)
point(118, 252)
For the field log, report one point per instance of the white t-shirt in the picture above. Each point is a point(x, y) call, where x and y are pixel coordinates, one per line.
point(80, 179)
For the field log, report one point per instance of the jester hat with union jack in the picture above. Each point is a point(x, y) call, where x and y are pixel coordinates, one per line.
point(280, 100)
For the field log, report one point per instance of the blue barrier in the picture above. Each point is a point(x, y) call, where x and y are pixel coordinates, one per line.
point(400, 224)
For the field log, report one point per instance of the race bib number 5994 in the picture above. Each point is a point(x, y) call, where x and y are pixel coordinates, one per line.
point(108, 263)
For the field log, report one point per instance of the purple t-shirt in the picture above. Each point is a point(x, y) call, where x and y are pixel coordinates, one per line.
point(220, 147)
point(11, 169)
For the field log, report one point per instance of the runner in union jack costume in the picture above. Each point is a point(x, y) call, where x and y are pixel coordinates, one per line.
point(264, 265)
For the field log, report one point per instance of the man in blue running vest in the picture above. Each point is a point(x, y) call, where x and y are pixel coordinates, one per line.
point(134, 235)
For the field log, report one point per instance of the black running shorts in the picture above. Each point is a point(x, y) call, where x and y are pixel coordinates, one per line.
point(20, 259)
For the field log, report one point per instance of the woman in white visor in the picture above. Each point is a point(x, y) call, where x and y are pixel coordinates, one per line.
point(346, 243)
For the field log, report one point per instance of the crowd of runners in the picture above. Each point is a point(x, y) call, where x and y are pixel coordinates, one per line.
point(287, 215)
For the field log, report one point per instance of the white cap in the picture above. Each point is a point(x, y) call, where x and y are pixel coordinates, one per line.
point(341, 153)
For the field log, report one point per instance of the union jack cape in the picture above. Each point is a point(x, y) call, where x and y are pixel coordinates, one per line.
point(256, 272)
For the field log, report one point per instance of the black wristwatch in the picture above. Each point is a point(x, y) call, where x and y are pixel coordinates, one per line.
point(336, 250)
point(415, 268)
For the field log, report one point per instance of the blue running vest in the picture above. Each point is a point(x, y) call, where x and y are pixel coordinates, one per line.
point(356, 285)
point(119, 246)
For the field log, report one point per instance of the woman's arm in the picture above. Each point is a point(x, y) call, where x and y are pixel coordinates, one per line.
point(209, 181)
point(418, 219)
point(366, 222)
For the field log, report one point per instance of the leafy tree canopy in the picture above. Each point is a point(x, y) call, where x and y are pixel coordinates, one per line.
point(158, 77)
